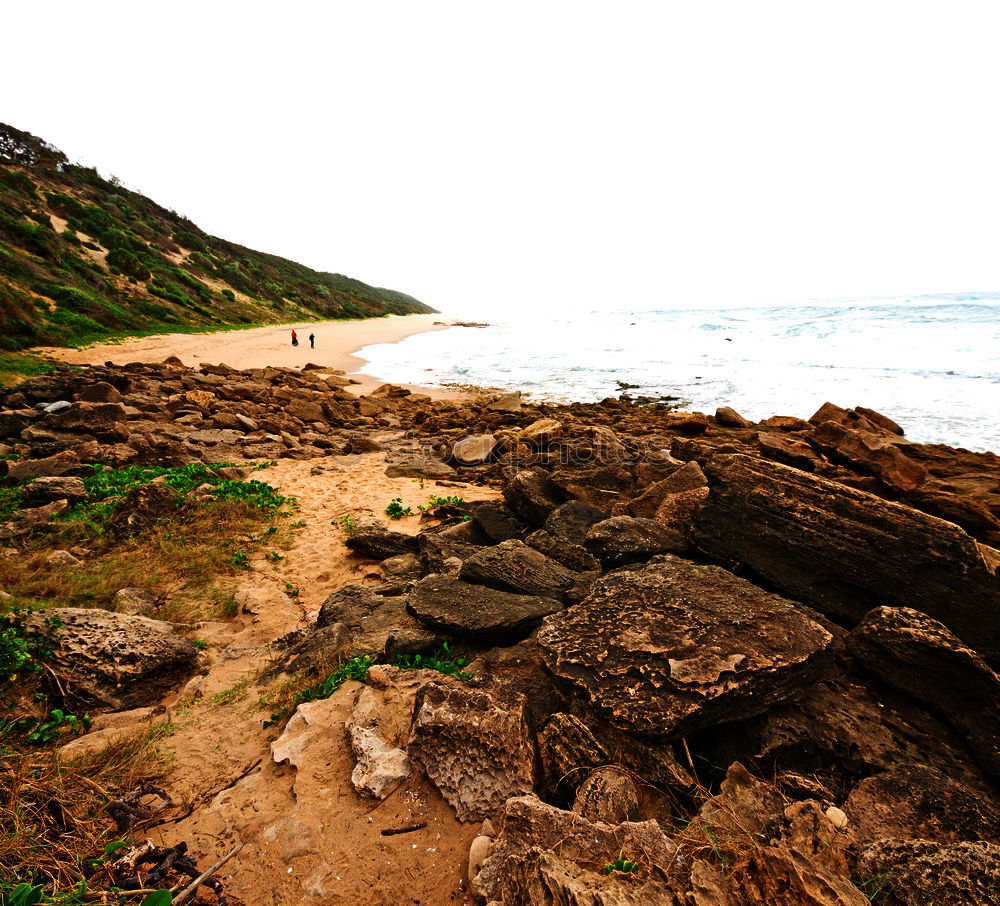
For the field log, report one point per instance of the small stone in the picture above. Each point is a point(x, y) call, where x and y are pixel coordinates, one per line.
point(837, 817)
point(61, 558)
point(479, 852)
point(58, 406)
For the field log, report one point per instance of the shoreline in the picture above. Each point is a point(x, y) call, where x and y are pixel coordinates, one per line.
point(338, 345)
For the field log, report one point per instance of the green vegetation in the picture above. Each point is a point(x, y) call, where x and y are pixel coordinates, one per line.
point(441, 660)
point(212, 528)
point(356, 668)
point(123, 265)
point(396, 510)
point(435, 502)
point(621, 864)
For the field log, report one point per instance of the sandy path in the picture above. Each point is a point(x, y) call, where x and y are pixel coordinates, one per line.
point(310, 837)
point(337, 343)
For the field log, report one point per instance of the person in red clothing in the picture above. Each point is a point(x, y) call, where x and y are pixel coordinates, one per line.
point(295, 338)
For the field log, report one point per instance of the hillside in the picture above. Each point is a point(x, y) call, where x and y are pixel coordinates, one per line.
point(83, 258)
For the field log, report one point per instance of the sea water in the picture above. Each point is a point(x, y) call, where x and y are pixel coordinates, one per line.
point(931, 363)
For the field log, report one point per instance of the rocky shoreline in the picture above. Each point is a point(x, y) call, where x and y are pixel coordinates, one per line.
point(756, 660)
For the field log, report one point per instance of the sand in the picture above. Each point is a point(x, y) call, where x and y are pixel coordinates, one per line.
point(337, 345)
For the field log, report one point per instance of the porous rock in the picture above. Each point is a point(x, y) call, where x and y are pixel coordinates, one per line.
point(115, 660)
point(926, 873)
point(608, 794)
point(532, 494)
point(370, 538)
point(676, 646)
point(141, 508)
point(572, 520)
point(844, 551)
point(477, 752)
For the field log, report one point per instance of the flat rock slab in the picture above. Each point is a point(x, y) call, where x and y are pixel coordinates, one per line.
point(675, 647)
point(513, 566)
point(476, 611)
point(845, 551)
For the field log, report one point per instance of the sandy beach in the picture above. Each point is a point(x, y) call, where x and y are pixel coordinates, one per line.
point(337, 345)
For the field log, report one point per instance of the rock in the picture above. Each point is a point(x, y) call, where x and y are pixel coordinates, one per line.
point(530, 826)
point(474, 448)
point(513, 566)
point(730, 418)
point(203, 399)
point(509, 402)
point(479, 852)
point(624, 539)
point(476, 611)
point(61, 558)
point(496, 520)
point(477, 752)
point(373, 621)
point(532, 495)
point(688, 477)
point(30, 519)
point(44, 490)
point(141, 508)
point(668, 649)
point(115, 660)
point(419, 467)
point(915, 801)
point(838, 817)
point(878, 454)
point(390, 391)
point(94, 418)
point(572, 556)
point(599, 486)
point(438, 553)
point(924, 873)
point(58, 406)
point(372, 539)
point(677, 510)
point(541, 432)
point(689, 423)
point(845, 551)
point(608, 795)
point(785, 423)
point(572, 520)
point(379, 727)
point(401, 565)
point(923, 659)
point(245, 422)
point(136, 600)
point(792, 452)
point(47, 466)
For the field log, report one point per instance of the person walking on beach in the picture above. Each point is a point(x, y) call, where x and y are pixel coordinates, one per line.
point(295, 338)
point(312, 341)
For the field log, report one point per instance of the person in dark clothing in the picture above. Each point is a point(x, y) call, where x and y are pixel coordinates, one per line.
point(312, 341)
point(295, 338)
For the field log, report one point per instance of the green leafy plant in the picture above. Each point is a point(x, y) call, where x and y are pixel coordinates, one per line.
point(441, 660)
point(621, 864)
point(434, 502)
point(396, 510)
point(200, 644)
point(349, 526)
point(241, 560)
point(52, 726)
point(356, 668)
point(291, 590)
point(274, 556)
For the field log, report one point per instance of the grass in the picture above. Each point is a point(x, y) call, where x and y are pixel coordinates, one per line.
point(441, 660)
point(16, 367)
point(205, 542)
point(56, 831)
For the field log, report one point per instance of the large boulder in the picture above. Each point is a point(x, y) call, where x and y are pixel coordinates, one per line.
point(676, 646)
point(114, 660)
point(45, 490)
point(573, 519)
point(141, 508)
point(477, 611)
point(514, 566)
point(922, 658)
point(374, 624)
point(475, 750)
point(532, 494)
point(845, 551)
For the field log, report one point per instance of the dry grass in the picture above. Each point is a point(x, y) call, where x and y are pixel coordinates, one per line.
point(55, 827)
point(188, 560)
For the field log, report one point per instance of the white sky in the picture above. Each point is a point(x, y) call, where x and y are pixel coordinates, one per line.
point(546, 155)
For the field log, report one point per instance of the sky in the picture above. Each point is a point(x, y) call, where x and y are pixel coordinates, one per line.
point(546, 156)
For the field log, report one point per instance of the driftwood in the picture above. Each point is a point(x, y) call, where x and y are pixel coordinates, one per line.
point(392, 831)
point(127, 811)
point(131, 874)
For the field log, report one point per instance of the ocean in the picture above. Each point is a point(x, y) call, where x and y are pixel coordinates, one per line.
point(931, 363)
